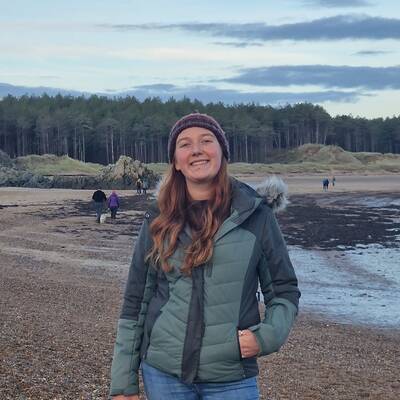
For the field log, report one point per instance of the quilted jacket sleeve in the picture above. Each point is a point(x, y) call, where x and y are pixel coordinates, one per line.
point(279, 287)
point(139, 289)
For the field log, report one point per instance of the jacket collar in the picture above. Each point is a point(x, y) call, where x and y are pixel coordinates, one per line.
point(245, 201)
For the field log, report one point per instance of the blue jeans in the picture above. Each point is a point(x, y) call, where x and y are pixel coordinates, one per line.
point(99, 207)
point(161, 386)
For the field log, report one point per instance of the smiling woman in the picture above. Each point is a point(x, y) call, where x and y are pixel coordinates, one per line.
point(190, 316)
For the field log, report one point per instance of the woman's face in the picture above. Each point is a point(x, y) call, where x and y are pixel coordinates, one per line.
point(198, 155)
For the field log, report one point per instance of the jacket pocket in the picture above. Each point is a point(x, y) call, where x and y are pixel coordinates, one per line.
point(233, 347)
point(147, 330)
point(156, 333)
point(238, 344)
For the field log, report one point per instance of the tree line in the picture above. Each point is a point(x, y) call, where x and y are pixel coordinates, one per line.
point(100, 129)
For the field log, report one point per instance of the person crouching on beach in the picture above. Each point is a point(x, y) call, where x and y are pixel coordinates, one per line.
point(113, 204)
point(190, 315)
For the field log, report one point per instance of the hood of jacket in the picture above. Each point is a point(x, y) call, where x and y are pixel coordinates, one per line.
point(272, 191)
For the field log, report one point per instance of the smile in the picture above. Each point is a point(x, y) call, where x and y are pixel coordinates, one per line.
point(199, 162)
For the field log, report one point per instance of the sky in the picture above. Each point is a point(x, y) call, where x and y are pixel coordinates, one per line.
point(341, 54)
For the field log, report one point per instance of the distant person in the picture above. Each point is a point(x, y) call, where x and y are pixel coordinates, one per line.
point(99, 199)
point(113, 204)
point(139, 186)
point(333, 180)
point(325, 184)
point(145, 186)
point(190, 314)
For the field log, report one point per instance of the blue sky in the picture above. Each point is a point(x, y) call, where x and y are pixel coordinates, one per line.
point(342, 54)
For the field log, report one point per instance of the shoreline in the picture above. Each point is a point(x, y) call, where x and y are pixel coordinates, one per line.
point(297, 184)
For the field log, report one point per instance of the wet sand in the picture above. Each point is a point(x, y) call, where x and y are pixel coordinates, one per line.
point(61, 283)
point(312, 183)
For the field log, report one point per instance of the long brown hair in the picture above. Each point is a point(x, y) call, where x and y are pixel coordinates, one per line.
point(173, 200)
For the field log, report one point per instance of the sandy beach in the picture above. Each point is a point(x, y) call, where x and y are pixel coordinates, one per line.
point(62, 278)
point(312, 183)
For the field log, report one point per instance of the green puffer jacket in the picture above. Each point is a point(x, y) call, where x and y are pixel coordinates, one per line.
point(187, 326)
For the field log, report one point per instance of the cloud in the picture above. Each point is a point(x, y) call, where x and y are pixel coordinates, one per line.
point(327, 76)
point(338, 3)
point(372, 52)
point(157, 87)
point(330, 28)
point(211, 94)
point(238, 44)
point(6, 89)
point(204, 93)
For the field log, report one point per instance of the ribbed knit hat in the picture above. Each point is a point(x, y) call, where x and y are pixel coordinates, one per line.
point(201, 121)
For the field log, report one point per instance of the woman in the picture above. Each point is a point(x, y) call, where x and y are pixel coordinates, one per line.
point(190, 315)
point(113, 204)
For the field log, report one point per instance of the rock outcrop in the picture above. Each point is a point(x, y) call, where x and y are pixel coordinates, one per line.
point(121, 175)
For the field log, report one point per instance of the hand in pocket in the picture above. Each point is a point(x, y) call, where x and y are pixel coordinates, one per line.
point(248, 343)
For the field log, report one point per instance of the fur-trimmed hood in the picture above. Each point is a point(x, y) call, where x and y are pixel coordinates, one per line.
point(274, 191)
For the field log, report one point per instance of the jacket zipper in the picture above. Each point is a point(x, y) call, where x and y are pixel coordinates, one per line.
point(240, 352)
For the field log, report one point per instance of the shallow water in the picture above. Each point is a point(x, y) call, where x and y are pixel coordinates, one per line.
point(360, 286)
point(348, 281)
point(373, 202)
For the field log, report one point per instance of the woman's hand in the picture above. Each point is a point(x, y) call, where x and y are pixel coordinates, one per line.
point(248, 343)
point(122, 397)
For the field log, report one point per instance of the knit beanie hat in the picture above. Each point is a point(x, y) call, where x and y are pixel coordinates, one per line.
point(201, 121)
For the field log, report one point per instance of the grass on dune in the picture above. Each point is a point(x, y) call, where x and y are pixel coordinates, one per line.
point(309, 158)
point(50, 164)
